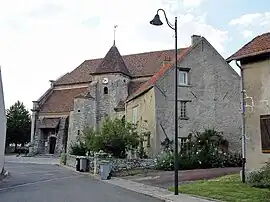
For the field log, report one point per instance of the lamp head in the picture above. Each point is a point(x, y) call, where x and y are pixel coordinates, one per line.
point(156, 21)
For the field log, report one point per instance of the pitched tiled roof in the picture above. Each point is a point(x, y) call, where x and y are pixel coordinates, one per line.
point(49, 123)
point(85, 95)
point(138, 65)
point(134, 85)
point(257, 46)
point(120, 106)
point(61, 100)
point(151, 82)
point(112, 63)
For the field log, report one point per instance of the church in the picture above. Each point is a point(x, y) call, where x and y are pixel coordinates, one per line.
point(140, 87)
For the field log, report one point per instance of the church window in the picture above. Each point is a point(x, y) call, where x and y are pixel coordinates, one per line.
point(105, 90)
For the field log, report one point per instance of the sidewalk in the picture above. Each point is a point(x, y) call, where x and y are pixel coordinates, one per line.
point(148, 190)
point(165, 179)
point(34, 160)
point(156, 184)
point(155, 192)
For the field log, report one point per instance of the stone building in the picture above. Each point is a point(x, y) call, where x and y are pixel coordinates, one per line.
point(3, 122)
point(254, 59)
point(208, 97)
point(140, 87)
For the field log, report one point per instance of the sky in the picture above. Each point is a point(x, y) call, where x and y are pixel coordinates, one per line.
point(41, 40)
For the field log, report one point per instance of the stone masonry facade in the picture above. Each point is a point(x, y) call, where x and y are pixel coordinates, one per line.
point(103, 87)
point(212, 97)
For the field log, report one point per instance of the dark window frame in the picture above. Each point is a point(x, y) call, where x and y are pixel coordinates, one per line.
point(265, 133)
point(105, 90)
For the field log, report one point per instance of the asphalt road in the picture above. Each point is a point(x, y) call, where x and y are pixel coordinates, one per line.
point(52, 183)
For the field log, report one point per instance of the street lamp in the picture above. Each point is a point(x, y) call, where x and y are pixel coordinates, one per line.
point(157, 22)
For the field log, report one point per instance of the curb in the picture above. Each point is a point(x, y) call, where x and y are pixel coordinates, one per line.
point(152, 191)
point(4, 175)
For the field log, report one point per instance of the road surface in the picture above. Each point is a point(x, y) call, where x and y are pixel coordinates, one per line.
point(52, 183)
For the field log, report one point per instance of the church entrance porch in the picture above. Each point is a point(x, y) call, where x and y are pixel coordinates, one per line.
point(52, 144)
point(51, 135)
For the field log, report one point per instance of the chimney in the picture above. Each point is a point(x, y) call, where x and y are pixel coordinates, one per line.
point(52, 83)
point(195, 39)
point(35, 105)
point(167, 59)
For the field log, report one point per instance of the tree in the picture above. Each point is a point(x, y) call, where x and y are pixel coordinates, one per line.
point(18, 124)
point(115, 137)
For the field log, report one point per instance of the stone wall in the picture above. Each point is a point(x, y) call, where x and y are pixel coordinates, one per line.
point(212, 96)
point(117, 90)
point(118, 165)
point(84, 115)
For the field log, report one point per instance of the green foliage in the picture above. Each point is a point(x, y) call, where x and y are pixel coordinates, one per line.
point(204, 150)
point(167, 144)
point(261, 178)
point(18, 124)
point(77, 148)
point(115, 137)
point(165, 161)
point(63, 158)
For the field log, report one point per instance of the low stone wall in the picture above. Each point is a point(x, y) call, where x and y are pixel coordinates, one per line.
point(118, 165)
point(71, 161)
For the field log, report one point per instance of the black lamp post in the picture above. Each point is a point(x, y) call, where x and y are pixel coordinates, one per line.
point(156, 21)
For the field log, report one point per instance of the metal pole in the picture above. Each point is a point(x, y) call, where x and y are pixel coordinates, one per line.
point(243, 129)
point(176, 117)
point(243, 124)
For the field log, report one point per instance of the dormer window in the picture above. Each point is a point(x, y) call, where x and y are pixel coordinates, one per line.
point(105, 90)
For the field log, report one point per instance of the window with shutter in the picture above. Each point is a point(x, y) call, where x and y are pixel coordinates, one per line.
point(265, 133)
point(134, 115)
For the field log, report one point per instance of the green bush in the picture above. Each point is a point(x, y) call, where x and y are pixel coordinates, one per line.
point(77, 148)
point(204, 150)
point(261, 178)
point(116, 137)
point(165, 161)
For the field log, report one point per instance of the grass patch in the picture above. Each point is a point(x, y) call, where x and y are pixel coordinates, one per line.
point(227, 188)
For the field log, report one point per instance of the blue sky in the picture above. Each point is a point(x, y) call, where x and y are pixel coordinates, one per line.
point(40, 40)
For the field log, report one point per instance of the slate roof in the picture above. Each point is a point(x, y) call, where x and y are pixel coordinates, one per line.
point(138, 65)
point(112, 63)
point(258, 45)
point(61, 100)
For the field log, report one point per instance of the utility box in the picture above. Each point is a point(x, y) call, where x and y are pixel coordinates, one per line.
point(83, 164)
point(105, 170)
point(77, 164)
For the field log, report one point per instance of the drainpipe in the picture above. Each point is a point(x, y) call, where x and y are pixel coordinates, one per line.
point(243, 125)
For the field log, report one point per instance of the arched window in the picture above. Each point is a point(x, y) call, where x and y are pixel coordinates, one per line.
point(105, 90)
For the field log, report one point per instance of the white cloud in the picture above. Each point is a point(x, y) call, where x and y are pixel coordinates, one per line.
point(192, 3)
point(43, 39)
point(247, 33)
point(252, 20)
point(246, 19)
point(257, 22)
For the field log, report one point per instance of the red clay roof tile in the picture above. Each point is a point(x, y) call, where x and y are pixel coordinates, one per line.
point(61, 100)
point(257, 46)
point(158, 74)
point(112, 63)
point(138, 65)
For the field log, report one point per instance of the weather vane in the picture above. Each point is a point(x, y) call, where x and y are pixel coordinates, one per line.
point(115, 26)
